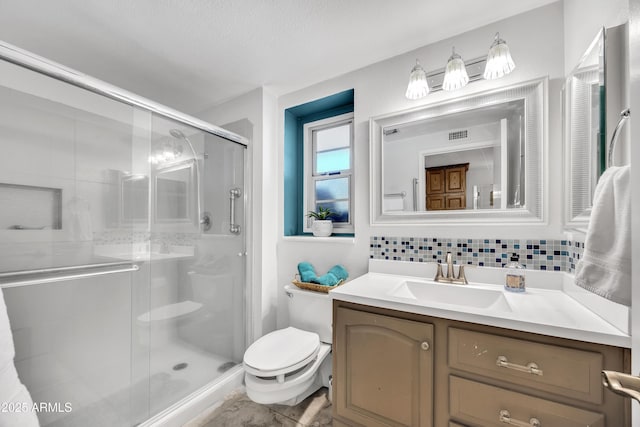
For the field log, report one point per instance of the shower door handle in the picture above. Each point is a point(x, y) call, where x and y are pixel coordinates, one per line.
point(58, 274)
point(234, 193)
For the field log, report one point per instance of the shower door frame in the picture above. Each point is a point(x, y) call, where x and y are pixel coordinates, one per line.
point(33, 62)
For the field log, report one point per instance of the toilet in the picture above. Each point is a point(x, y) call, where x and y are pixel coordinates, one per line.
point(288, 365)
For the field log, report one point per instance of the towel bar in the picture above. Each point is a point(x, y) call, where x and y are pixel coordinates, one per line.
point(400, 194)
point(624, 115)
point(57, 274)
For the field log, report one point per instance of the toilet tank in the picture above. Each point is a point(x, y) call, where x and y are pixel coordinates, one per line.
point(310, 311)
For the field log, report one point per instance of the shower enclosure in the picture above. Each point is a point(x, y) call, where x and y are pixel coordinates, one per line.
point(122, 247)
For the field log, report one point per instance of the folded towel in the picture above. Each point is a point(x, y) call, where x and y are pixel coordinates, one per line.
point(11, 389)
point(605, 267)
point(339, 271)
point(393, 204)
point(307, 272)
point(336, 275)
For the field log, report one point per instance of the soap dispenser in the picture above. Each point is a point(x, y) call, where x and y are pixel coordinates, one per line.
point(514, 281)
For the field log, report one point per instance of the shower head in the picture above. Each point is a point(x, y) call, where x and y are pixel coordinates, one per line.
point(176, 133)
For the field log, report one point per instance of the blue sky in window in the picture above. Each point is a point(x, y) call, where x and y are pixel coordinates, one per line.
point(332, 161)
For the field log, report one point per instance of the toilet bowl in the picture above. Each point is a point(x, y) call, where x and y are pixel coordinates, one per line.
point(287, 365)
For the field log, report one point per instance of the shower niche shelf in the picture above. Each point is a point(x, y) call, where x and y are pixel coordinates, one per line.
point(26, 207)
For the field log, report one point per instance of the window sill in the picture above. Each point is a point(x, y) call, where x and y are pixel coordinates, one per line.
point(312, 239)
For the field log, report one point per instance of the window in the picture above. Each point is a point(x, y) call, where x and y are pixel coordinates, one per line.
point(319, 114)
point(328, 170)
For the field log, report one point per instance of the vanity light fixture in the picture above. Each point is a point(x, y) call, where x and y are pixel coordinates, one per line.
point(499, 61)
point(455, 73)
point(418, 86)
point(458, 73)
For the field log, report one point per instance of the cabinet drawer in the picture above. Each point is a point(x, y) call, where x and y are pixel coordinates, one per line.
point(483, 405)
point(560, 370)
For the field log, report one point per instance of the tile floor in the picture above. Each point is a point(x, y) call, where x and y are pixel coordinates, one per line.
point(238, 410)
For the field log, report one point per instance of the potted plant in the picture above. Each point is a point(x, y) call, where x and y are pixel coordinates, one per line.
point(322, 226)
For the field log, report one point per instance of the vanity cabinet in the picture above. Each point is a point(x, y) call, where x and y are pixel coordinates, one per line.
point(405, 369)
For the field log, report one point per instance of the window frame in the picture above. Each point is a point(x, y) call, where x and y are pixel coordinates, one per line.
point(310, 178)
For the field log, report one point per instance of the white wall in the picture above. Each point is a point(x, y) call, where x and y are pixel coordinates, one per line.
point(536, 42)
point(582, 21)
point(258, 107)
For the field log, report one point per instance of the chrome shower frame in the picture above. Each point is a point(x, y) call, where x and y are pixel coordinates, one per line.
point(41, 65)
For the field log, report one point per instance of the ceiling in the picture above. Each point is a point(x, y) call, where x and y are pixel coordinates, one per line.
point(193, 54)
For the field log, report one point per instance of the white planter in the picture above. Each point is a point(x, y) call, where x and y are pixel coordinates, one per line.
point(322, 227)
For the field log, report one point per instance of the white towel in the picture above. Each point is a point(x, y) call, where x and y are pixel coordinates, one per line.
point(605, 267)
point(12, 392)
point(393, 204)
point(79, 220)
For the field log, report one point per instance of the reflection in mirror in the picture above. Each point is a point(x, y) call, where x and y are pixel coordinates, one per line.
point(462, 160)
point(584, 127)
point(467, 160)
point(135, 198)
point(175, 193)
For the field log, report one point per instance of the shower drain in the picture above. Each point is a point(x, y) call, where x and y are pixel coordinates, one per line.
point(180, 366)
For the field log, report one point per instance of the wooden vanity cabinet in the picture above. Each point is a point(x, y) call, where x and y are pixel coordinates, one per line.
point(393, 368)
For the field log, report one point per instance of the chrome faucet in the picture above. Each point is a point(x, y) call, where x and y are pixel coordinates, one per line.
point(449, 278)
point(163, 246)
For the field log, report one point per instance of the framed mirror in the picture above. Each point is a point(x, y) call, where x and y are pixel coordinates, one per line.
point(594, 94)
point(472, 159)
point(175, 193)
point(584, 131)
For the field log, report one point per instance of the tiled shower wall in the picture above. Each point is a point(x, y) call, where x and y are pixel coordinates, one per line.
point(554, 255)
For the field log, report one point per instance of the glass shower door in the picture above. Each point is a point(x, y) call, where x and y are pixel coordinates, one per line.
point(192, 318)
point(66, 264)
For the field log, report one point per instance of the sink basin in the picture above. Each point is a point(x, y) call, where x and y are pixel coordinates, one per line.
point(431, 294)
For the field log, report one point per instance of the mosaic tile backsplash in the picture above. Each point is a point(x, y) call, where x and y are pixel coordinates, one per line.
point(553, 255)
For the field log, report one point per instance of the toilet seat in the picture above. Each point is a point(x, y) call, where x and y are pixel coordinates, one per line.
point(281, 352)
point(296, 387)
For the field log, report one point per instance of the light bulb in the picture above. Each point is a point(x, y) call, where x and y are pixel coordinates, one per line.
point(455, 74)
point(499, 61)
point(418, 86)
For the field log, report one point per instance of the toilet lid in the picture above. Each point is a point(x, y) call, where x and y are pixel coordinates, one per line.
point(281, 349)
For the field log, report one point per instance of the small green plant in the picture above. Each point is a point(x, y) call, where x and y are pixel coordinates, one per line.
point(321, 214)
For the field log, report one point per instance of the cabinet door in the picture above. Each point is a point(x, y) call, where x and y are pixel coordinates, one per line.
point(384, 370)
point(435, 181)
point(435, 203)
point(456, 201)
point(456, 179)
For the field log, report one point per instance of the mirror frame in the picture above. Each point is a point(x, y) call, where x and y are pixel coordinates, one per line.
point(535, 96)
point(578, 188)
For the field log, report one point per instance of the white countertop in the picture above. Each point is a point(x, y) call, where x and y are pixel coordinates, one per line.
point(545, 308)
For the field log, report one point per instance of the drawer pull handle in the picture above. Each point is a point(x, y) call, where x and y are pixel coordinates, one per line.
point(425, 346)
point(531, 368)
point(505, 417)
